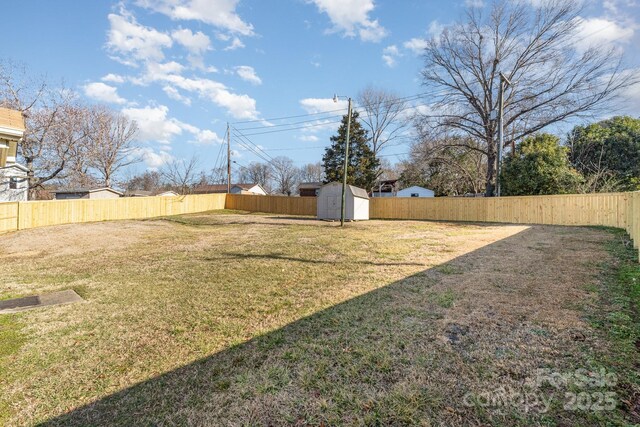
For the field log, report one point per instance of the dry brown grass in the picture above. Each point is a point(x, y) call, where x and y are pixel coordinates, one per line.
point(264, 320)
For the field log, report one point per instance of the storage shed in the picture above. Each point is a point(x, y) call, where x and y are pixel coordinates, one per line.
point(330, 201)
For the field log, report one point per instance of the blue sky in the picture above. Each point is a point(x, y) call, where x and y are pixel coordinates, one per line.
point(184, 68)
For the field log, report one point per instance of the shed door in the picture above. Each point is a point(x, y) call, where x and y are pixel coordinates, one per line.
point(333, 206)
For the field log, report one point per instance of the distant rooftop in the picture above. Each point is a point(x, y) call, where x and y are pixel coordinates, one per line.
point(85, 190)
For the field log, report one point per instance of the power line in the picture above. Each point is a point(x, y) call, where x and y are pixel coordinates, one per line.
point(240, 135)
point(288, 117)
point(290, 124)
point(396, 101)
point(290, 129)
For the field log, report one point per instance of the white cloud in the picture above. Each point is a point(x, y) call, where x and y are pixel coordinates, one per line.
point(103, 92)
point(153, 123)
point(415, 45)
point(196, 43)
point(113, 78)
point(132, 42)
point(309, 138)
point(174, 94)
point(248, 74)
point(390, 54)
point(239, 106)
point(235, 44)
point(601, 32)
point(474, 3)
point(207, 137)
point(322, 105)
point(220, 13)
point(352, 18)
point(153, 160)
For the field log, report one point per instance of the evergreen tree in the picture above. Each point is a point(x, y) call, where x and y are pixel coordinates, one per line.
point(363, 167)
point(609, 148)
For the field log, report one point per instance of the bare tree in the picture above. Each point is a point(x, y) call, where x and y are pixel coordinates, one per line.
point(147, 181)
point(444, 164)
point(312, 172)
point(285, 175)
point(257, 173)
point(384, 115)
point(53, 123)
point(111, 142)
point(181, 174)
point(534, 47)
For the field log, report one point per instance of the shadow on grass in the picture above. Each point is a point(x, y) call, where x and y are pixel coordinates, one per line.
point(376, 359)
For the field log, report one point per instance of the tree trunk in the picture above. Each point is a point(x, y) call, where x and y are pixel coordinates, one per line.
point(31, 179)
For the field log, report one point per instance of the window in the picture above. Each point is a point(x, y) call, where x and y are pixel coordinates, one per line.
point(415, 194)
point(13, 183)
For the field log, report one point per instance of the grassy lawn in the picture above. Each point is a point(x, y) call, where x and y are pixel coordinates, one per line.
point(243, 319)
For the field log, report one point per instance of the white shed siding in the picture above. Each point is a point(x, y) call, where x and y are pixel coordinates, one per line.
point(330, 200)
point(412, 191)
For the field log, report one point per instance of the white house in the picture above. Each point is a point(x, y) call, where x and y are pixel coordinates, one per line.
point(330, 202)
point(251, 189)
point(415, 191)
point(87, 193)
point(14, 186)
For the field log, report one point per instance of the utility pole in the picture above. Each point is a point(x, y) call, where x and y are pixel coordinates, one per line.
point(503, 83)
point(346, 166)
point(228, 159)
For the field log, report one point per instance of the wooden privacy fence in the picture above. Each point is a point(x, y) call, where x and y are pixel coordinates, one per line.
point(608, 209)
point(21, 215)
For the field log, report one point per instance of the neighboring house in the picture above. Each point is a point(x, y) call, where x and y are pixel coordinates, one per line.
point(87, 193)
point(309, 189)
point(13, 176)
point(330, 202)
point(255, 189)
point(165, 193)
point(138, 193)
point(143, 193)
point(387, 188)
point(415, 191)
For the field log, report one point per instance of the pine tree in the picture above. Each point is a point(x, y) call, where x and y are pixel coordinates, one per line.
point(363, 168)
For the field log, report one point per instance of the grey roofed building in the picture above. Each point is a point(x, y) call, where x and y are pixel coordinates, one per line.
point(87, 193)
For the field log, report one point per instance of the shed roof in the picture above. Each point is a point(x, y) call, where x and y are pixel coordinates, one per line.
point(359, 192)
point(356, 191)
point(87, 190)
point(11, 119)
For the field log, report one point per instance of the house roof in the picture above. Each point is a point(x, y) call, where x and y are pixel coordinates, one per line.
point(138, 193)
point(86, 190)
point(416, 187)
point(356, 191)
point(12, 119)
point(15, 166)
point(309, 185)
point(221, 188)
